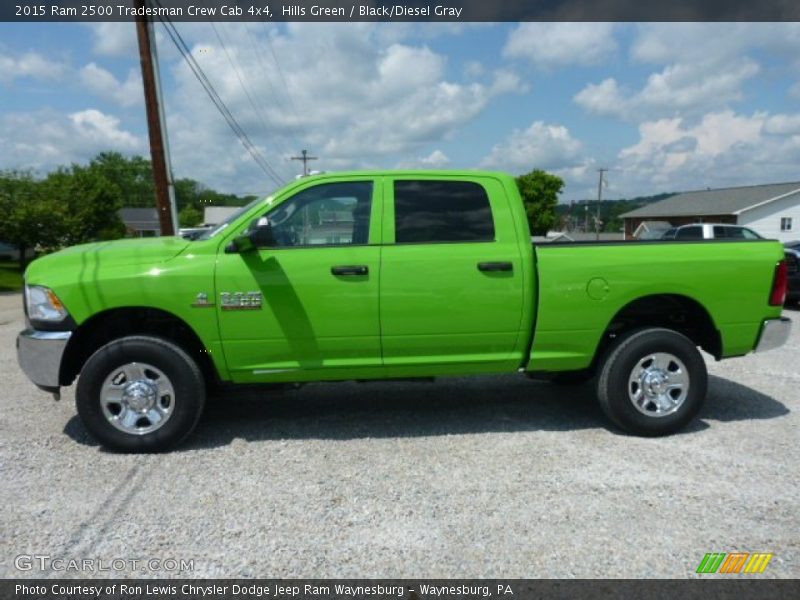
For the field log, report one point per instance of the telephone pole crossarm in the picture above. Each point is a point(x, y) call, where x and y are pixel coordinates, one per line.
point(305, 158)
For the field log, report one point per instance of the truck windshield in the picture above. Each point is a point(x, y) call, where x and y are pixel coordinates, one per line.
point(221, 227)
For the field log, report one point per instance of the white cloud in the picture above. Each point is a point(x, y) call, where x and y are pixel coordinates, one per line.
point(549, 45)
point(683, 88)
point(104, 84)
point(30, 64)
point(604, 98)
point(47, 139)
point(720, 149)
point(94, 125)
point(435, 160)
point(474, 68)
point(540, 146)
point(702, 67)
point(663, 43)
point(350, 94)
point(114, 39)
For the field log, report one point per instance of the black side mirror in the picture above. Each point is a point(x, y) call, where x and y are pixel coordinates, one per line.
point(261, 234)
point(258, 235)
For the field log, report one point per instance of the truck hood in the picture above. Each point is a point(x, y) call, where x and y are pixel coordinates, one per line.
point(135, 251)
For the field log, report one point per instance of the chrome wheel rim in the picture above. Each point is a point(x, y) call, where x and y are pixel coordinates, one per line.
point(137, 398)
point(658, 384)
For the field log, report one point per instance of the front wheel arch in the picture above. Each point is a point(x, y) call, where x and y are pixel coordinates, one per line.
point(116, 323)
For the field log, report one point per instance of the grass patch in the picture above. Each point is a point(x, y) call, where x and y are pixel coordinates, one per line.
point(10, 276)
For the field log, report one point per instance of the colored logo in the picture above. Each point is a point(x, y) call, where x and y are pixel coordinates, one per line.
point(735, 562)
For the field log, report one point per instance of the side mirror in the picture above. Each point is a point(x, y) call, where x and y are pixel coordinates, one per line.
point(258, 235)
point(261, 235)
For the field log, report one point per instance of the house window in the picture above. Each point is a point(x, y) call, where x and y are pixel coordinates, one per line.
point(786, 223)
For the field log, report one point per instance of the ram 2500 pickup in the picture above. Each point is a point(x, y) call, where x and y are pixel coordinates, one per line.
point(377, 275)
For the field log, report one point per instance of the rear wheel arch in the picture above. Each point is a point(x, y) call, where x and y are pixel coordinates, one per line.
point(675, 312)
point(116, 323)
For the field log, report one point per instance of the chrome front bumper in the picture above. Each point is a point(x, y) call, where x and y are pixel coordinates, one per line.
point(774, 333)
point(39, 354)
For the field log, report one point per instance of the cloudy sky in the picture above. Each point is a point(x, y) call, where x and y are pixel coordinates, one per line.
point(666, 107)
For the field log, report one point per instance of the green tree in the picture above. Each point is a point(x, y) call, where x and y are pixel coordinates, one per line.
point(190, 217)
point(188, 192)
point(132, 175)
point(539, 191)
point(30, 219)
point(88, 203)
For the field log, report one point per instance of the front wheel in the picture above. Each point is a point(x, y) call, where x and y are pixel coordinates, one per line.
point(652, 382)
point(140, 394)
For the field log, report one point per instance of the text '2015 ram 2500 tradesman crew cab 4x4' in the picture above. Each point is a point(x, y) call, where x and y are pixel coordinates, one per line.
point(378, 275)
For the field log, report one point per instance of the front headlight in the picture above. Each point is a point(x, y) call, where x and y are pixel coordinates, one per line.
point(43, 304)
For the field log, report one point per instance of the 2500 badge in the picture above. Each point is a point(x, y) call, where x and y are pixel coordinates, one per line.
point(241, 300)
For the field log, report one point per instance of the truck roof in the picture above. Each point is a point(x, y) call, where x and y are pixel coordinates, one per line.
point(419, 172)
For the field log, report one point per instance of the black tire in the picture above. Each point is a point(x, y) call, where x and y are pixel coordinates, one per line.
point(614, 391)
point(182, 374)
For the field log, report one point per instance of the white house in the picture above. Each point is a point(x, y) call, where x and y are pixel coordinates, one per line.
point(214, 215)
point(772, 210)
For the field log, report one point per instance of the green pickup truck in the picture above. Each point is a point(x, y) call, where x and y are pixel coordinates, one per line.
point(378, 275)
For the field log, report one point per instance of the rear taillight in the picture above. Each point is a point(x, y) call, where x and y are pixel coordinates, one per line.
point(780, 284)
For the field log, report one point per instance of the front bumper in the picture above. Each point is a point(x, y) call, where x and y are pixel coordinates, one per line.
point(774, 333)
point(39, 354)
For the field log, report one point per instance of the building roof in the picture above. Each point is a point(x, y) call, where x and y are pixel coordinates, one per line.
point(724, 201)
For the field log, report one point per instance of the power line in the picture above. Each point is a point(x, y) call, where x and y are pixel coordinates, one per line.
point(283, 78)
point(274, 95)
point(256, 107)
point(198, 72)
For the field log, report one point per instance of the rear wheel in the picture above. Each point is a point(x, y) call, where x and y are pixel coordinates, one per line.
point(140, 394)
point(652, 382)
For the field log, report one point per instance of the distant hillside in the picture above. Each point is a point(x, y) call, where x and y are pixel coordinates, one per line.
point(573, 215)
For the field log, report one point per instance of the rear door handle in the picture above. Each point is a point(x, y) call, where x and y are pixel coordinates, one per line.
point(495, 266)
point(350, 270)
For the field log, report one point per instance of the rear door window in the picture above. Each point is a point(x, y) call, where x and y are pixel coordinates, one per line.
point(441, 211)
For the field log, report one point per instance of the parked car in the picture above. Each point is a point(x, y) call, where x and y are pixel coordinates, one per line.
point(710, 231)
point(381, 275)
point(792, 256)
point(191, 233)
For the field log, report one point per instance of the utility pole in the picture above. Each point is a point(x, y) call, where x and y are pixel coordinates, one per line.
point(156, 124)
point(305, 158)
point(599, 199)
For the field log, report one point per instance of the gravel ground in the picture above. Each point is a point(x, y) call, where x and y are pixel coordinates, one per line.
point(486, 477)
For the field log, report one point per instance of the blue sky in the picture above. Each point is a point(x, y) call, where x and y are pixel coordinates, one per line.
point(666, 107)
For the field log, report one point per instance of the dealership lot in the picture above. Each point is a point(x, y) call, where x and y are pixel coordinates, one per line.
point(486, 477)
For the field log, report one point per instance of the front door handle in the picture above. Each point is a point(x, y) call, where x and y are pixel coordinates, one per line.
point(495, 266)
point(350, 270)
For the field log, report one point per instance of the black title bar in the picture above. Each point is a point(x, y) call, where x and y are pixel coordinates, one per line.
point(409, 10)
point(718, 588)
